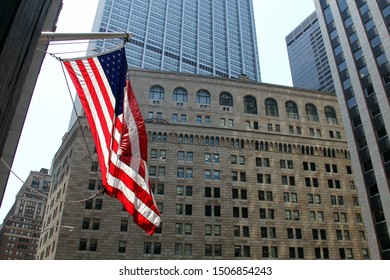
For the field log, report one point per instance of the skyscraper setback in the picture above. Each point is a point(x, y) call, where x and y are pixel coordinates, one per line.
point(202, 36)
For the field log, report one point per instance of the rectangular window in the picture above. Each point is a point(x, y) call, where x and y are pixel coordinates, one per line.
point(85, 224)
point(245, 231)
point(208, 248)
point(95, 224)
point(179, 209)
point(236, 212)
point(234, 176)
point(188, 209)
point(91, 184)
point(99, 204)
point(93, 245)
point(122, 247)
point(124, 224)
point(83, 245)
point(207, 210)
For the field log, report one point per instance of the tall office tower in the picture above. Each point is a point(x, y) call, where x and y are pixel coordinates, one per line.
point(240, 170)
point(307, 56)
point(356, 36)
point(202, 36)
point(21, 227)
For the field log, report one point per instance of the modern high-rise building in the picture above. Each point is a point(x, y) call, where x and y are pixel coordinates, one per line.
point(19, 233)
point(202, 36)
point(240, 170)
point(307, 56)
point(356, 36)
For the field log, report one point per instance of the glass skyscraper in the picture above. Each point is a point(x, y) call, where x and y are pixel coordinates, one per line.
point(212, 37)
point(307, 56)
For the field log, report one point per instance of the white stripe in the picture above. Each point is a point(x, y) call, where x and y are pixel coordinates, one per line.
point(131, 172)
point(141, 208)
point(117, 135)
point(92, 108)
point(105, 82)
point(99, 94)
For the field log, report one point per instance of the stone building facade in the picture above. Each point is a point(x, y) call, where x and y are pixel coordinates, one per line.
point(19, 233)
point(240, 170)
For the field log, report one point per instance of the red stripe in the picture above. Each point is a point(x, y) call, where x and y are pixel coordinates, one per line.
point(88, 113)
point(123, 149)
point(138, 218)
point(143, 139)
point(102, 87)
point(138, 191)
point(98, 107)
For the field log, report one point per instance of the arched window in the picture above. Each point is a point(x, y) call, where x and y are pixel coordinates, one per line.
point(35, 183)
point(311, 112)
point(330, 114)
point(156, 93)
point(271, 107)
point(180, 95)
point(225, 99)
point(45, 186)
point(250, 105)
point(203, 97)
point(292, 110)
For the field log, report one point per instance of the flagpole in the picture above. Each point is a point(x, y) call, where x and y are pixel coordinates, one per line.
point(47, 37)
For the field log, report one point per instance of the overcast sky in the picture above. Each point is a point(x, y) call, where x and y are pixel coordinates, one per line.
point(50, 109)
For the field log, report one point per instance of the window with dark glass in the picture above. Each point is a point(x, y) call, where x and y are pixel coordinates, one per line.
point(95, 224)
point(85, 224)
point(225, 99)
point(271, 107)
point(99, 204)
point(83, 245)
point(330, 114)
point(311, 113)
point(93, 245)
point(250, 105)
point(292, 110)
point(124, 223)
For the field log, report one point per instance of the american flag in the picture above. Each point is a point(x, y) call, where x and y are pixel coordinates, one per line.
point(119, 132)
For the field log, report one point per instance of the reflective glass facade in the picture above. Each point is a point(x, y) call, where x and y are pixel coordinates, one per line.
point(212, 37)
point(307, 56)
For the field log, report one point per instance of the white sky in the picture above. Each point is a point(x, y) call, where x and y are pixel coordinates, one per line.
point(50, 109)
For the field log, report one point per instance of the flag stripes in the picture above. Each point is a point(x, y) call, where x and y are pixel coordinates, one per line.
point(119, 133)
